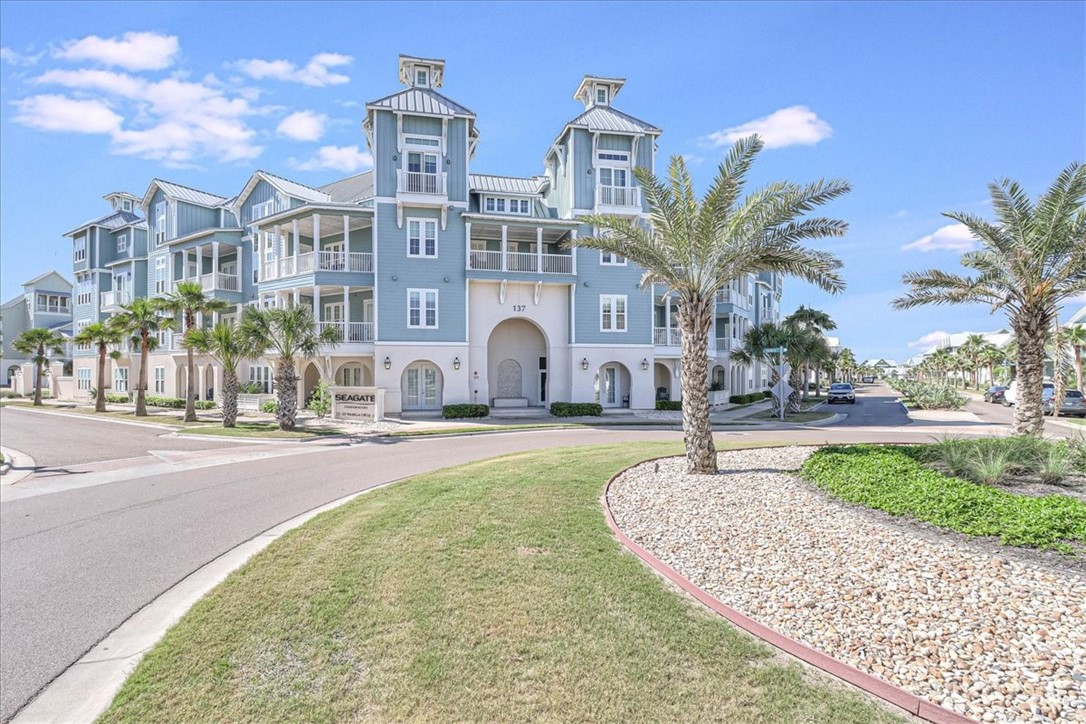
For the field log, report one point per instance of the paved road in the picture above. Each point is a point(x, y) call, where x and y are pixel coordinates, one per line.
point(56, 440)
point(1000, 415)
point(76, 564)
point(876, 405)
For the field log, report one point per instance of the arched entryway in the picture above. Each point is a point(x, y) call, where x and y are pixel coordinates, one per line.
point(208, 391)
point(182, 376)
point(12, 371)
point(662, 377)
point(517, 364)
point(421, 386)
point(354, 373)
point(612, 385)
point(719, 378)
point(310, 378)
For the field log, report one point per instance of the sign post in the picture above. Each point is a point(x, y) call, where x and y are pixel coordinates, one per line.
point(358, 404)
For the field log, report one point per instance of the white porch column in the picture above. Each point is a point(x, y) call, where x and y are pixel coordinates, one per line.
point(185, 265)
point(199, 265)
point(346, 313)
point(573, 250)
point(467, 245)
point(294, 237)
point(505, 238)
point(317, 305)
point(316, 241)
point(539, 249)
point(297, 297)
point(215, 265)
point(346, 241)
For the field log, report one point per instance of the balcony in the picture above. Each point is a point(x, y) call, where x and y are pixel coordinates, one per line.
point(349, 332)
point(726, 344)
point(323, 261)
point(618, 199)
point(53, 308)
point(664, 337)
point(425, 184)
point(730, 296)
point(112, 301)
point(520, 261)
point(214, 282)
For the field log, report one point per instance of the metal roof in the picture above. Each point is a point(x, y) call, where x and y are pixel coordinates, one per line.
point(190, 195)
point(351, 189)
point(608, 119)
point(421, 100)
point(293, 188)
point(485, 183)
point(116, 220)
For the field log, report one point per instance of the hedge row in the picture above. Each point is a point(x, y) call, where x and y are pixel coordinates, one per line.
point(748, 398)
point(175, 403)
point(271, 407)
point(669, 404)
point(117, 397)
point(576, 409)
point(451, 412)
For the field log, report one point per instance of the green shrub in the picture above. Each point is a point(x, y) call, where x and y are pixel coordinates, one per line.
point(929, 396)
point(669, 404)
point(892, 479)
point(271, 407)
point(174, 403)
point(205, 404)
point(454, 412)
point(576, 409)
point(251, 388)
point(321, 404)
point(978, 459)
point(748, 398)
point(120, 398)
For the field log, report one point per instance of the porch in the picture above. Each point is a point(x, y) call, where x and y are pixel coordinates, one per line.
point(316, 243)
point(524, 249)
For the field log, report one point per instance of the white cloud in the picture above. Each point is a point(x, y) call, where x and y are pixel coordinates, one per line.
point(930, 339)
point(692, 159)
point(8, 55)
point(302, 126)
point(796, 125)
point(108, 81)
point(132, 51)
point(337, 158)
point(60, 113)
point(954, 237)
point(314, 73)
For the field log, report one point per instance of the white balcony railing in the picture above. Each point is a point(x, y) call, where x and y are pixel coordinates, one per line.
point(730, 296)
point(520, 261)
point(726, 344)
point(55, 308)
point(415, 182)
point(626, 196)
point(334, 261)
point(664, 337)
point(115, 298)
point(349, 331)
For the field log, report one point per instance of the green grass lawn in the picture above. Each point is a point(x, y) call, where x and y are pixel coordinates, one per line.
point(259, 429)
point(489, 592)
point(807, 413)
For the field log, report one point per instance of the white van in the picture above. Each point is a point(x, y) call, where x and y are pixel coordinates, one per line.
point(1048, 389)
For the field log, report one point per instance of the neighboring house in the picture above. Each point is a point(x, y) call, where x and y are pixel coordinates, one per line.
point(445, 285)
point(46, 301)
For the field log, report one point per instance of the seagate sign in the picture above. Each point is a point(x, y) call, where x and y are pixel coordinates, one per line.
point(358, 404)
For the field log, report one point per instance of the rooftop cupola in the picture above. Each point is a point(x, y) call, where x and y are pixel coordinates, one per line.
point(596, 90)
point(421, 72)
point(122, 201)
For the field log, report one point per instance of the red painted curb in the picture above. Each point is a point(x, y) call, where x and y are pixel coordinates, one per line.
point(913, 704)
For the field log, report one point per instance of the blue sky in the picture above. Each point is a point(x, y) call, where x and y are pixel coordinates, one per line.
point(918, 105)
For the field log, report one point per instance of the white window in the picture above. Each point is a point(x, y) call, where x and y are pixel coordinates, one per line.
point(601, 96)
point(422, 238)
point(612, 312)
point(122, 244)
point(127, 205)
point(84, 291)
point(523, 206)
point(259, 211)
point(609, 259)
point(420, 141)
point(614, 156)
point(261, 375)
point(422, 173)
point(160, 380)
point(80, 248)
point(83, 378)
point(120, 379)
point(494, 204)
point(160, 223)
point(161, 278)
point(422, 77)
point(422, 308)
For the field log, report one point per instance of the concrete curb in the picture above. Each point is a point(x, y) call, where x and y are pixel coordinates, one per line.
point(17, 466)
point(86, 688)
point(911, 703)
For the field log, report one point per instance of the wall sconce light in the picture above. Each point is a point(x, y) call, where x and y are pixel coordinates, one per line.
point(644, 363)
point(456, 363)
point(388, 363)
point(584, 364)
point(395, 278)
point(446, 280)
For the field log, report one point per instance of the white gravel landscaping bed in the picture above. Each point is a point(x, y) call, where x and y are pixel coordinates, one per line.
point(992, 638)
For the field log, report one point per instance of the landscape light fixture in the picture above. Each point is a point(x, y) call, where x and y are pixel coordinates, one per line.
point(584, 364)
point(388, 363)
point(456, 363)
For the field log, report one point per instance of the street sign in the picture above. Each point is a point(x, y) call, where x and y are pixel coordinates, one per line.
point(782, 389)
point(777, 350)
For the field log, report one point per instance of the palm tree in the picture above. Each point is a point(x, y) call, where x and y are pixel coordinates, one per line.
point(819, 321)
point(142, 319)
point(188, 300)
point(991, 356)
point(1076, 337)
point(288, 333)
point(971, 350)
point(804, 346)
point(225, 345)
point(1030, 261)
point(40, 343)
point(696, 248)
point(847, 362)
point(942, 361)
point(101, 335)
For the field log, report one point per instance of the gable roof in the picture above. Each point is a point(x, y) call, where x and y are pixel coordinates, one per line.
point(51, 272)
point(182, 193)
point(282, 185)
point(113, 221)
point(486, 183)
point(421, 100)
point(606, 118)
point(351, 189)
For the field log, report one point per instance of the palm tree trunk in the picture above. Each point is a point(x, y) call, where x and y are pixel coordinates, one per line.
point(695, 319)
point(806, 373)
point(38, 375)
point(1078, 366)
point(286, 391)
point(796, 378)
point(190, 392)
point(1031, 331)
point(229, 398)
point(141, 386)
point(100, 398)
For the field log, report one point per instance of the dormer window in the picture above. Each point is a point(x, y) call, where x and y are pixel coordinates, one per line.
point(422, 77)
point(127, 205)
point(601, 96)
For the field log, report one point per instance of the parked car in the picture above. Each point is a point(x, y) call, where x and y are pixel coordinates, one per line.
point(995, 393)
point(868, 379)
point(841, 392)
point(1074, 404)
point(1010, 395)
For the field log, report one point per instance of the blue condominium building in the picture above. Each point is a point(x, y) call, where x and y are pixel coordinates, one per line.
point(444, 284)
